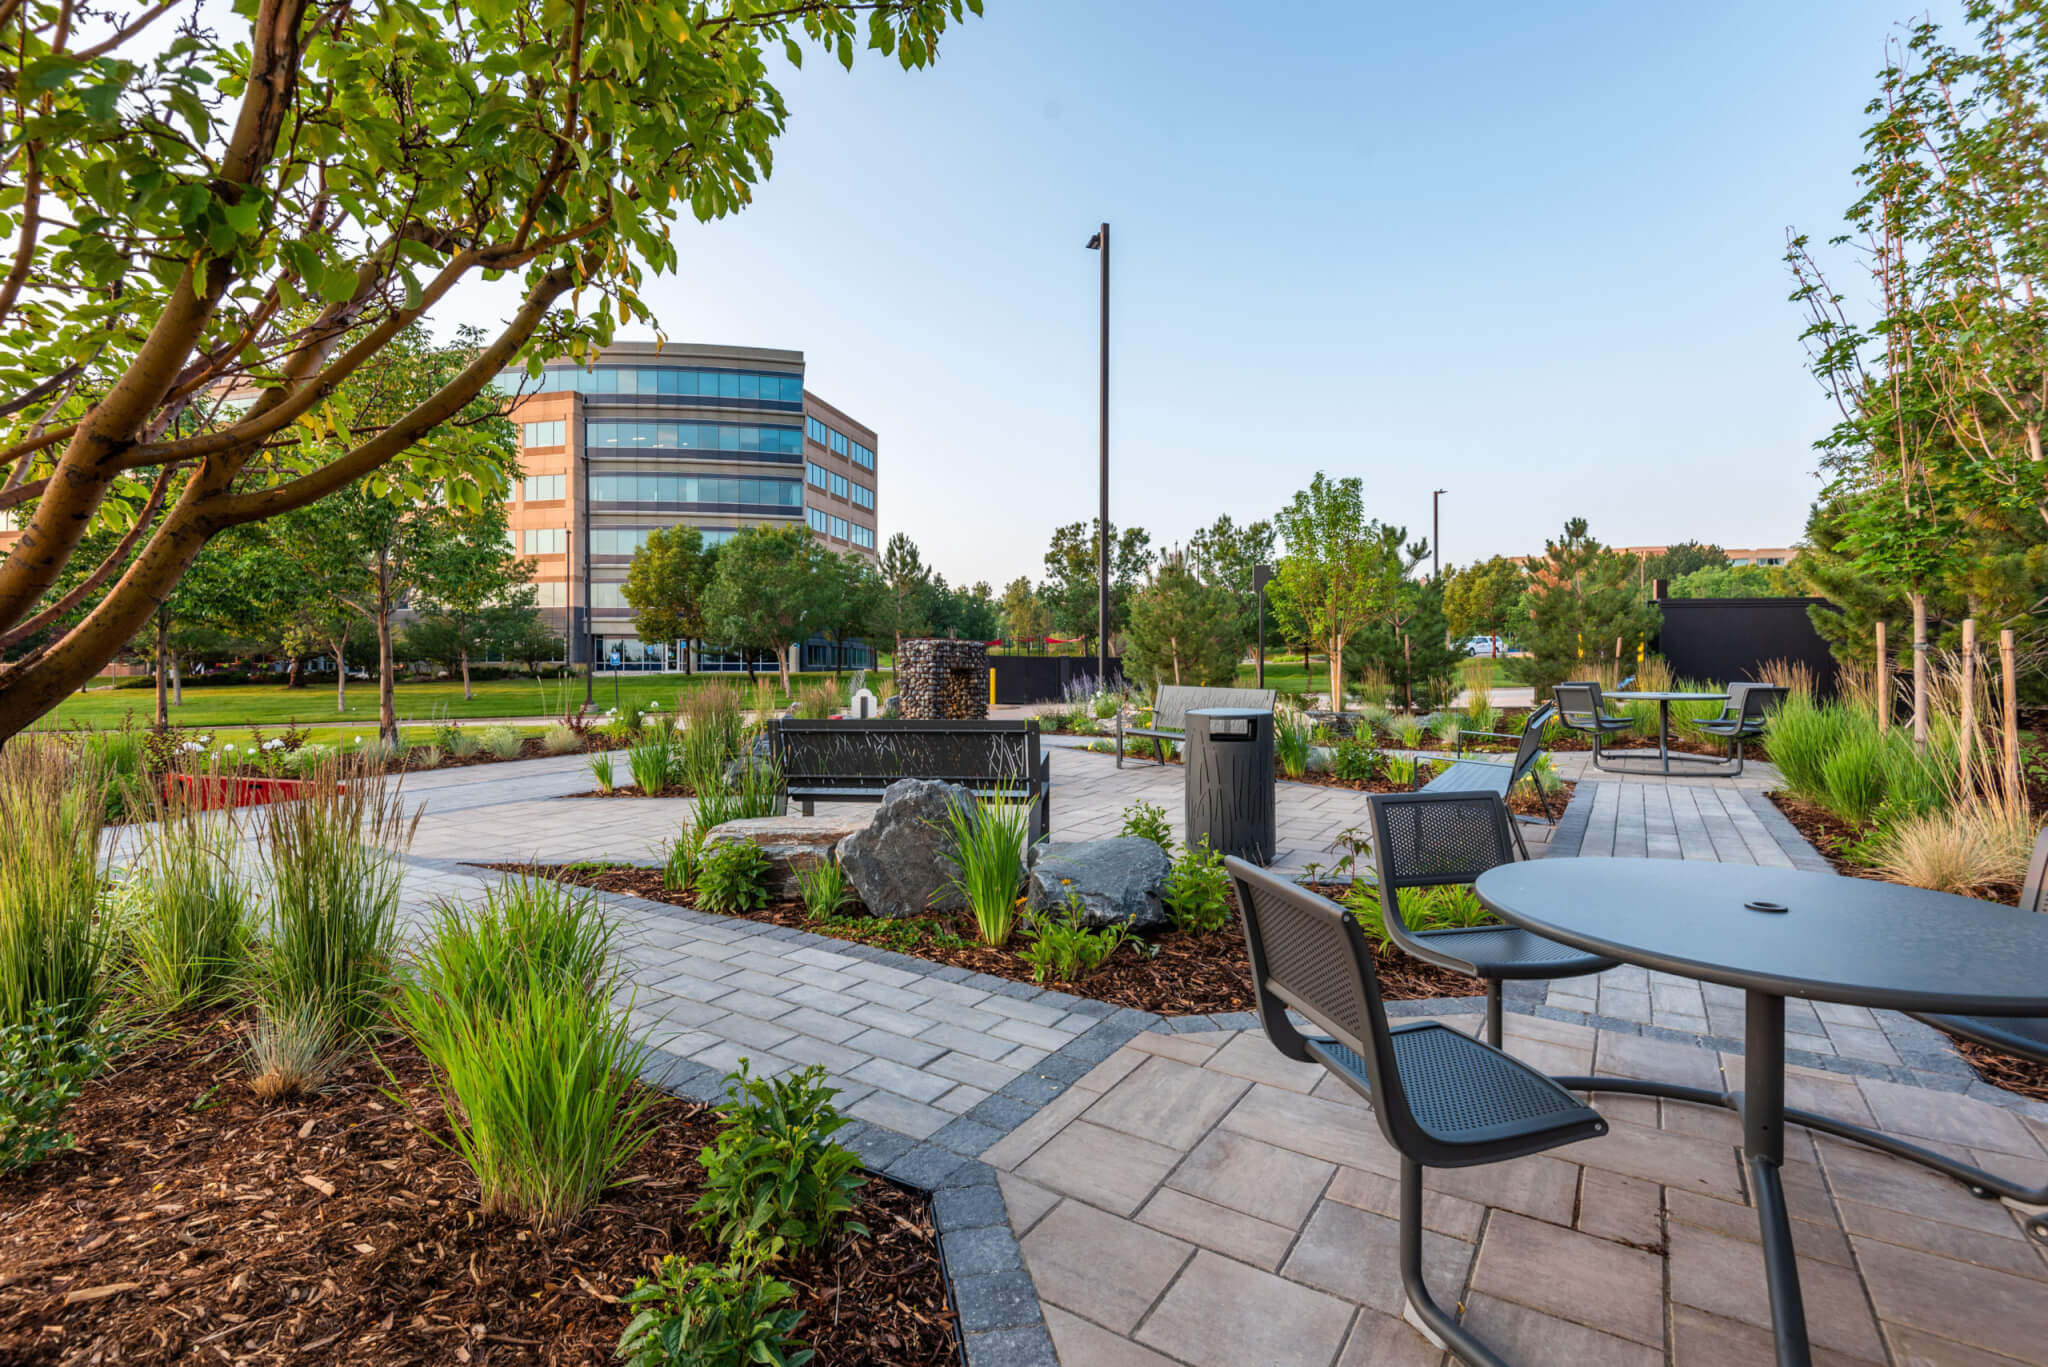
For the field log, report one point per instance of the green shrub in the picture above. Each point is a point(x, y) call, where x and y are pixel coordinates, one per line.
point(1854, 776)
point(1064, 949)
point(536, 1070)
point(1293, 738)
point(700, 1315)
point(189, 917)
point(1148, 819)
point(502, 742)
point(773, 1177)
point(825, 889)
point(1408, 732)
point(117, 760)
point(53, 947)
point(1451, 906)
point(331, 927)
point(45, 1062)
point(1402, 770)
point(733, 877)
point(653, 763)
point(685, 857)
point(1197, 892)
point(1356, 759)
point(987, 843)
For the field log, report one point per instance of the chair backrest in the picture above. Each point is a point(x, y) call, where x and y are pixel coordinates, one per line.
point(1755, 697)
point(975, 753)
point(1422, 840)
point(1532, 742)
point(1170, 706)
point(2034, 892)
point(1578, 702)
point(1307, 953)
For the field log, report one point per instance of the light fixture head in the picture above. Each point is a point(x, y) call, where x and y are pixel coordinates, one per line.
point(1095, 242)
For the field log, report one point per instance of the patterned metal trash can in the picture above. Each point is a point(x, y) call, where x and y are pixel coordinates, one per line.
point(1230, 781)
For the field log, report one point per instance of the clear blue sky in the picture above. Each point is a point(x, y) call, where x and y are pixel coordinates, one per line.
point(1527, 254)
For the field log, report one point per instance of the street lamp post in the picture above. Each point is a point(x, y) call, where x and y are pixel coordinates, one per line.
point(1436, 567)
point(1100, 243)
point(1262, 575)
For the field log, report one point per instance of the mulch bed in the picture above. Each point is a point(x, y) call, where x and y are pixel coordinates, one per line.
point(1823, 830)
point(194, 1223)
point(1175, 974)
point(628, 790)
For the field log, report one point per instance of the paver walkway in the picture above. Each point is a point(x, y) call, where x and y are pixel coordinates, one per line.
point(1143, 1191)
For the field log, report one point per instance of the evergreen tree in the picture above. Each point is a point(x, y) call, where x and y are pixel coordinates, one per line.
point(907, 606)
point(1410, 644)
point(1582, 597)
point(1183, 631)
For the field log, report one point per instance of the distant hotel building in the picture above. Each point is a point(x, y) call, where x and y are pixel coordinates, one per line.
point(717, 438)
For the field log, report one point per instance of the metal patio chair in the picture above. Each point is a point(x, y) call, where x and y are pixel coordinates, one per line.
point(1492, 776)
point(1579, 709)
point(1742, 717)
point(2025, 1036)
point(1442, 1098)
point(1424, 840)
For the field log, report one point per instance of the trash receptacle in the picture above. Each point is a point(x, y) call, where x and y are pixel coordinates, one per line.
point(1230, 781)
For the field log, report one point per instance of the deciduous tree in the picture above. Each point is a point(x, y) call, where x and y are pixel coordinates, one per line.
point(1072, 582)
point(1340, 570)
point(666, 583)
point(773, 588)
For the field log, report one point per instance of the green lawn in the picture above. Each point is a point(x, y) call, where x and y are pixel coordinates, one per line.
point(274, 704)
point(1286, 674)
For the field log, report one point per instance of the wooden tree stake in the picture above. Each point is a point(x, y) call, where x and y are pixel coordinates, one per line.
point(1884, 684)
point(1966, 742)
point(2009, 702)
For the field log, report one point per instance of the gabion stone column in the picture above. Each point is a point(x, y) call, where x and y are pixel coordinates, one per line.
point(941, 680)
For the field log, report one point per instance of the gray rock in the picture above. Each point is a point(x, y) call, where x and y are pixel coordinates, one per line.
point(900, 862)
point(892, 706)
point(1118, 881)
point(1339, 724)
point(793, 844)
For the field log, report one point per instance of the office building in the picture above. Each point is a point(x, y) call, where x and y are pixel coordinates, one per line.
point(718, 438)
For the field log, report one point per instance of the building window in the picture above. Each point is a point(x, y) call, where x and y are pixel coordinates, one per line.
point(839, 485)
point(839, 529)
point(863, 457)
point(817, 519)
point(863, 536)
point(863, 497)
point(544, 487)
point(838, 442)
point(547, 541)
point(815, 473)
point(546, 433)
point(550, 593)
point(817, 431)
point(722, 489)
point(683, 382)
point(607, 595)
point(693, 436)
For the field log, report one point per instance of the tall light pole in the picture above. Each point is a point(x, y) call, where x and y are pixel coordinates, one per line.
point(1100, 243)
point(1436, 565)
point(1262, 575)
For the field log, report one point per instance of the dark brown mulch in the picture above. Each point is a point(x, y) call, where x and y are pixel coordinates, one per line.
point(1176, 973)
point(1823, 830)
point(194, 1222)
point(2000, 1069)
point(628, 790)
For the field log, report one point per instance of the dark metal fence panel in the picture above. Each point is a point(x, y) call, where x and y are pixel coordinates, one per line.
point(1725, 640)
point(1022, 679)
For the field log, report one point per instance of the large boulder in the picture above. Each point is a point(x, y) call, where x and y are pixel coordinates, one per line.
point(1119, 881)
point(900, 862)
point(792, 844)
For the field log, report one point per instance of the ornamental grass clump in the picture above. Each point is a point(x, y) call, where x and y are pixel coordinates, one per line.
point(825, 888)
point(1293, 739)
point(987, 844)
point(188, 917)
point(54, 948)
point(536, 1067)
point(1976, 848)
point(653, 762)
point(330, 931)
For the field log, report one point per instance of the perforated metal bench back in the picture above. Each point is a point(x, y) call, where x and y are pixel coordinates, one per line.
point(865, 755)
point(1170, 709)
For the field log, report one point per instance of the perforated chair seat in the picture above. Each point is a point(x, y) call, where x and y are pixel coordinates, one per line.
point(1503, 952)
point(1585, 721)
point(1744, 727)
point(2026, 1036)
point(1470, 1096)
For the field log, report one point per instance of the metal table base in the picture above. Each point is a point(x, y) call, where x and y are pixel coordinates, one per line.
point(1732, 764)
point(1761, 1104)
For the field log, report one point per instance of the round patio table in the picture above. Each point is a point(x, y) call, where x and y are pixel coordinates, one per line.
point(1778, 933)
point(1664, 701)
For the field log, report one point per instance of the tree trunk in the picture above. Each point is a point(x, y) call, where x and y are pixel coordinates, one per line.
point(294, 677)
point(1336, 647)
point(177, 682)
point(466, 694)
point(782, 660)
point(1919, 601)
point(387, 700)
point(163, 658)
point(340, 645)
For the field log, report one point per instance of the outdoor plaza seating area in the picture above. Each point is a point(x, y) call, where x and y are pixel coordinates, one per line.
point(1704, 1136)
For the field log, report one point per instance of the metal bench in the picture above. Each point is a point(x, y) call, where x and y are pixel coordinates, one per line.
point(1170, 714)
point(854, 761)
point(1463, 775)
